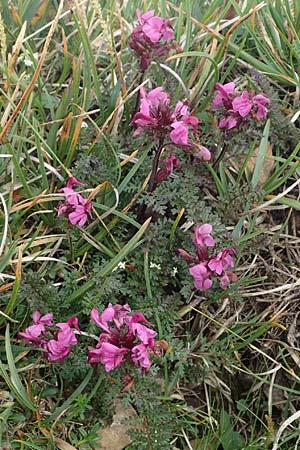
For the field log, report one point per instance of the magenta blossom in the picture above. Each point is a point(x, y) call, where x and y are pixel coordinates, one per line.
point(125, 338)
point(75, 207)
point(33, 333)
point(224, 96)
point(202, 236)
point(203, 267)
point(158, 119)
point(55, 340)
point(222, 261)
point(150, 38)
point(154, 27)
point(249, 103)
point(201, 276)
point(239, 108)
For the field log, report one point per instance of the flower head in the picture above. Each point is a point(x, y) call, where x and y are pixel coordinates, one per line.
point(150, 38)
point(239, 108)
point(202, 236)
point(75, 207)
point(33, 333)
point(203, 266)
point(54, 340)
point(124, 337)
point(158, 119)
point(201, 276)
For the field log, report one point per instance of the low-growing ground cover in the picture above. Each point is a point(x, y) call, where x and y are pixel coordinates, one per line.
point(149, 218)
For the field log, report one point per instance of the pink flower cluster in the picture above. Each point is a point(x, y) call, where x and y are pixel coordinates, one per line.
point(124, 337)
point(149, 39)
point(203, 266)
point(75, 207)
point(55, 340)
point(238, 108)
point(158, 119)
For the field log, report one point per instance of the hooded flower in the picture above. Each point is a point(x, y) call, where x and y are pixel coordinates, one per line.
point(249, 103)
point(202, 236)
point(222, 261)
point(239, 108)
point(33, 333)
point(125, 337)
point(75, 207)
point(158, 119)
point(204, 267)
point(201, 277)
point(55, 340)
point(150, 38)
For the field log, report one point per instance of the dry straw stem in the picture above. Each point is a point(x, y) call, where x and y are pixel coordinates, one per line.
point(283, 426)
point(5, 229)
point(12, 59)
point(35, 76)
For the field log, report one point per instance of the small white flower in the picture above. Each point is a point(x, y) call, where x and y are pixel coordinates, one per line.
point(84, 125)
point(26, 57)
point(174, 271)
point(121, 265)
point(155, 266)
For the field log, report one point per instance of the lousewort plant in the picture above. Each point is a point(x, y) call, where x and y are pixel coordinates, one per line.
point(169, 126)
point(125, 337)
point(203, 267)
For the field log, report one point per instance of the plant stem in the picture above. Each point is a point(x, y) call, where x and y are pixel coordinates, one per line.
point(152, 182)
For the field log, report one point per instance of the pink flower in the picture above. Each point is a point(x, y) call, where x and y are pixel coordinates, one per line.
point(66, 336)
point(140, 356)
point(108, 354)
point(237, 107)
point(75, 207)
point(222, 261)
point(224, 97)
point(180, 133)
point(123, 334)
point(149, 39)
point(201, 277)
point(202, 236)
point(158, 119)
point(80, 215)
point(249, 103)
point(204, 153)
point(56, 344)
point(38, 319)
point(145, 334)
point(205, 266)
point(32, 334)
point(56, 351)
point(154, 27)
